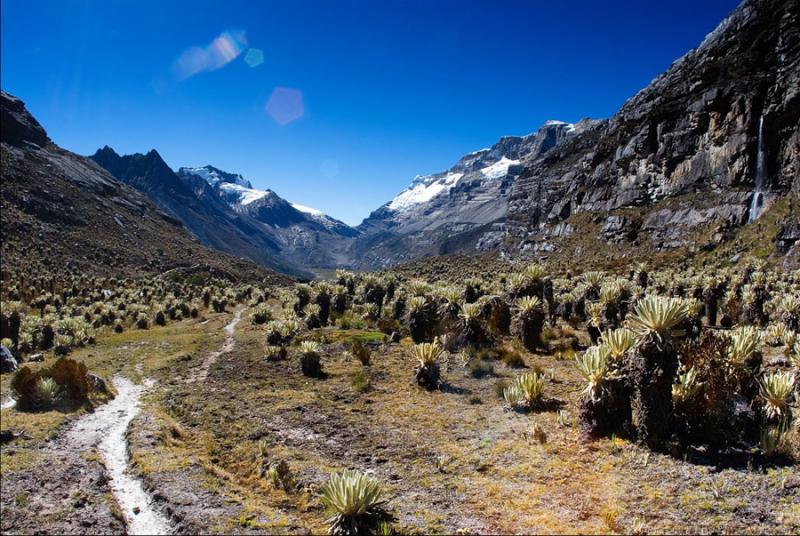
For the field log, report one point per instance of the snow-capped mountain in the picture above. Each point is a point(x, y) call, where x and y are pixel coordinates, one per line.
point(214, 176)
point(196, 206)
point(458, 210)
point(307, 235)
point(264, 205)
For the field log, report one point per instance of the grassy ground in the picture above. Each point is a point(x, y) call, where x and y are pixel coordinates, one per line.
point(450, 460)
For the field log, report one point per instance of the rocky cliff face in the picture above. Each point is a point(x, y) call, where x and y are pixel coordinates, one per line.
point(459, 210)
point(707, 147)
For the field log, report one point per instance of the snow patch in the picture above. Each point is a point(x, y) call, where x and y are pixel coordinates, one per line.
point(308, 210)
point(245, 195)
point(498, 169)
point(213, 177)
point(556, 122)
point(423, 189)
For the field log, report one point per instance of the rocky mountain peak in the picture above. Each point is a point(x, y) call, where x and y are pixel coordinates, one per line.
point(215, 176)
point(18, 125)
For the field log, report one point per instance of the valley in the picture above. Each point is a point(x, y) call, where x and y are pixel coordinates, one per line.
point(592, 328)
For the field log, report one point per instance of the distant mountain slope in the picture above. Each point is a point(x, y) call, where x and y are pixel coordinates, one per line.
point(62, 213)
point(709, 146)
point(460, 210)
point(306, 236)
point(208, 218)
point(264, 205)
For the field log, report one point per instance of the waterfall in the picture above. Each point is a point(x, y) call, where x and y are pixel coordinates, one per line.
point(757, 202)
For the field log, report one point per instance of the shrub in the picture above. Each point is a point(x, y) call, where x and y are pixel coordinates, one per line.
point(360, 352)
point(512, 357)
point(356, 500)
point(710, 416)
point(65, 379)
point(776, 389)
point(427, 372)
point(526, 391)
point(280, 476)
point(478, 368)
point(309, 359)
point(71, 376)
point(361, 382)
point(530, 321)
point(500, 387)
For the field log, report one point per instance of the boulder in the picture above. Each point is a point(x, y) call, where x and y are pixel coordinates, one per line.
point(8, 363)
point(97, 383)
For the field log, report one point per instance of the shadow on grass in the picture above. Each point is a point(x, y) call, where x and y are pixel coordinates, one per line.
point(731, 458)
point(545, 405)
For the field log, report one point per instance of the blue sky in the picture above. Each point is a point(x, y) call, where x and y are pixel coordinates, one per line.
point(389, 89)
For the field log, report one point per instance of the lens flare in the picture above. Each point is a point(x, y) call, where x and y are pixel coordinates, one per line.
point(285, 105)
point(225, 48)
point(254, 57)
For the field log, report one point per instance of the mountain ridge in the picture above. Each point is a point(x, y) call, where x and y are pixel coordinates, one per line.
point(65, 212)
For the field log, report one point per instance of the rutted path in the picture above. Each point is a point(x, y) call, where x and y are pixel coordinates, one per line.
point(106, 430)
point(199, 375)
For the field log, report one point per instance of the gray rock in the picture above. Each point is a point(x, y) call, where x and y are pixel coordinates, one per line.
point(8, 363)
point(98, 384)
point(788, 235)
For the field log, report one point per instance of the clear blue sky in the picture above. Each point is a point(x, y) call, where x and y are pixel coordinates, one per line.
point(390, 89)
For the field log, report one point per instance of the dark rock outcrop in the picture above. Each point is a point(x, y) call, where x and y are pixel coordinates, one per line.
point(18, 125)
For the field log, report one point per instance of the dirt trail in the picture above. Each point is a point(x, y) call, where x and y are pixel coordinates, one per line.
point(201, 373)
point(106, 430)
